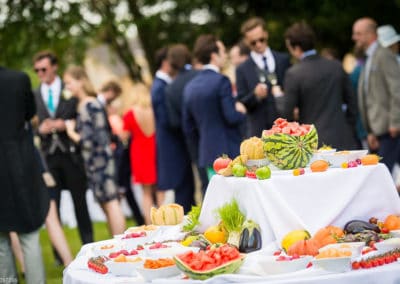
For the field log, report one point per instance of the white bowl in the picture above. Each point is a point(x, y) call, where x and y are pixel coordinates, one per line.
point(123, 268)
point(387, 245)
point(334, 264)
point(132, 243)
point(354, 247)
point(170, 251)
point(395, 233)
point(105, 248)
point(337, 158)
point(269, 264)
point(164, 272)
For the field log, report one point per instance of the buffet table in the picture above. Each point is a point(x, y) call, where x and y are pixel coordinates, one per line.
point(279, 205)
point(311, 201)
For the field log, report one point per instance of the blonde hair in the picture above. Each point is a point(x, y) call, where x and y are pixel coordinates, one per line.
point(79, 73)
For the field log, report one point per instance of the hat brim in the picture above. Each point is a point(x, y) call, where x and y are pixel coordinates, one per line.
point(389, 42)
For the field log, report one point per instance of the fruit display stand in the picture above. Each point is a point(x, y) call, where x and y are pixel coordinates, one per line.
point(281, 204)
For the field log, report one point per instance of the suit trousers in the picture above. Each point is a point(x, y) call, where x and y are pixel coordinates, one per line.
point(184, 192)
point(389, 150)
point(69, 173)
point(31, 249)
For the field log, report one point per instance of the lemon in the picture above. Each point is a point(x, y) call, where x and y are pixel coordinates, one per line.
point(294, 236)
point(186, 242)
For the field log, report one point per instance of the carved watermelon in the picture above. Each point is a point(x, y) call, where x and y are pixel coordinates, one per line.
point(225, 268)
point(290, 151)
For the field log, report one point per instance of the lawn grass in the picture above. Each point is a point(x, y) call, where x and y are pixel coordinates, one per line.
point(54, 273)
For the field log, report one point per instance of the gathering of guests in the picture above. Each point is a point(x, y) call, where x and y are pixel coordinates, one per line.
point(192, 114)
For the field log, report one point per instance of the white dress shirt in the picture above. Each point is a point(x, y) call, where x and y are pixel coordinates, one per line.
point(211, 67)
point(56, 91)
point(258, 59)
point(164, 76)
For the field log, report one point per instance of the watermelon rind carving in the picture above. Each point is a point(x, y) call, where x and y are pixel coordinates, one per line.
point(288, 152)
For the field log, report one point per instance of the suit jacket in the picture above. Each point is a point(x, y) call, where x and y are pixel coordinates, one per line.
point(172, 155)
point(320, 87)
point(380, 105)
point(174, 97)
point(24, 199)
point(210, 118)
point(260, 113)
point(66, 109)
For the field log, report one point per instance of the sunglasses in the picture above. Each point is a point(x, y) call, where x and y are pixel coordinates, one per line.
point(37, 70)
point(260, 40)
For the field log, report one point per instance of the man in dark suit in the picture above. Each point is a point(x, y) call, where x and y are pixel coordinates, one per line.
point(61, 154)
point(260, 77)
point(211, 118)
point(378, 93)
point(180, 59)
point(24, 201)
point(319, 87)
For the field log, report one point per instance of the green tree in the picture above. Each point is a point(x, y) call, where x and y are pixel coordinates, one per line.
point(69, 26)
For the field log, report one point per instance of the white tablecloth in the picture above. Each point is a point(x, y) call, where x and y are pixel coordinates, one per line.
point(310, 201)
point(281, 204)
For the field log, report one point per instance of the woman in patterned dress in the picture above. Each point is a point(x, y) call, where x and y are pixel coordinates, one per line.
point(93, 135)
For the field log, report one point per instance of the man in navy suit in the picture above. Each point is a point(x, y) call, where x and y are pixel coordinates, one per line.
point(211, 118)
point(260, 77)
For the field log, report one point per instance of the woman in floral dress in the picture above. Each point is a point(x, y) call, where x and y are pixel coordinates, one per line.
point(93, 135)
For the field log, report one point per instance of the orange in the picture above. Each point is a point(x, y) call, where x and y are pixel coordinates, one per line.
point(392, 222)
point(216, 234)
point(319, 166)
point(370, 159)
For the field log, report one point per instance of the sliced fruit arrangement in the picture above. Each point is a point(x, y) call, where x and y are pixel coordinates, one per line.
point(206, 264)
point(158, 263)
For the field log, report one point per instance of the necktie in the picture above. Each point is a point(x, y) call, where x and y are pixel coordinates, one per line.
point(265, 63)
point(50, 102)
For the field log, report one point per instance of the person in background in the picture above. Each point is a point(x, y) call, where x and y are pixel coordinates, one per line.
point(165, 142)
point(330, 53)
point(24, 201)
point(139, 125)
point(378, 93)
point(63, 158)
point(319, 87)
point(109, 92)
point(211, 118)
point(389, 38)
point(260, 78)
point(239, 53)
point(91, 133)
point(179, 59)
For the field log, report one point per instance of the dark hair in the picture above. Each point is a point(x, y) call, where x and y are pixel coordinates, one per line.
point(46, 54)
point(160, 56)
point(178, 56)
point(243, 48)
point(112, 86)
point(251, 24)
point(300, 34)
point(204, 46)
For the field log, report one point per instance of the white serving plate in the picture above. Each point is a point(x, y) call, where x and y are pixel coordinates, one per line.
point(123, 268)
point(354, 247)
point(269, 265)
point(334, 264)
point(170, 251)
point(151, 274)
point(387, 245)
point(100, 249)
point(337, 158)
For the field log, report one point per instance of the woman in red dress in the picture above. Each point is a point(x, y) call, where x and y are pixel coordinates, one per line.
point(139, 123)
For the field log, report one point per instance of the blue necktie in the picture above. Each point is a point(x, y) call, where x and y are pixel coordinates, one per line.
point(265, 63)
point(50, 102)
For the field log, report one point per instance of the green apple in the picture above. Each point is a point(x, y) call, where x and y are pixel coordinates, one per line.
point(239, 170)
point(263, 172)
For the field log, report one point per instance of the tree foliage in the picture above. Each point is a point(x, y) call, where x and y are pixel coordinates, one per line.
point(70, 26)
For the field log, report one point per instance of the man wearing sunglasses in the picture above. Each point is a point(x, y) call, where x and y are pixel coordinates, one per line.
point(61, 154)
point(260, 77)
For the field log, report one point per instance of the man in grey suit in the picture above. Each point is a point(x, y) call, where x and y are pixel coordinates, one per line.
point(378, 93)
point(319, 87)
